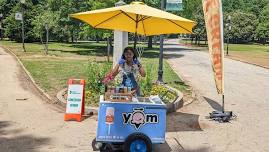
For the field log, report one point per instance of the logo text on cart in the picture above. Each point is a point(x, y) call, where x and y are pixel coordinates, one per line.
point(139, 118)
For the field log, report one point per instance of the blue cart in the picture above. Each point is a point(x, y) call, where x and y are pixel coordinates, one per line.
point(130, 126)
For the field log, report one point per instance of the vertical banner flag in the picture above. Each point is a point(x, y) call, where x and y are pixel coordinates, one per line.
point(174, 5)
point(214, 27)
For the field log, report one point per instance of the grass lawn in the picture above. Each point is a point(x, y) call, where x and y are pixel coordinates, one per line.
point(252, 53)
point(66, 60)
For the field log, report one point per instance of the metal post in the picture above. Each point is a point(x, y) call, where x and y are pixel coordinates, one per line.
point(22, 28)
point(223, 103)
point(227, 51)
point(1, 16)
point(135, 38)
point(160, 72)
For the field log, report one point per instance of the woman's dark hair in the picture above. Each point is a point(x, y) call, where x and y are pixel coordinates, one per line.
point(125, 50)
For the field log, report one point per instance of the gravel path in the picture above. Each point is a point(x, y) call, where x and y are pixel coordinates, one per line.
point(246, 93)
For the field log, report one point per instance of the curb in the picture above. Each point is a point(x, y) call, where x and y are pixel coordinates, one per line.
point(230, 57)
point(244, 61)
point(40, 90)
point(171, 107)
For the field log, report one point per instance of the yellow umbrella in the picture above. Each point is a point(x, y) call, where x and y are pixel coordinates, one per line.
point(138, 18)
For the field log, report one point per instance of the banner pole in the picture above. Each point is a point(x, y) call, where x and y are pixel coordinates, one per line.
point(223, 103)
point(222, 53)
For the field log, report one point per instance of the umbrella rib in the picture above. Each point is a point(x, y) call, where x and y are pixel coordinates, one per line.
point(106, 20)
point(179, 25)
point(127, 15)
point(144, 18)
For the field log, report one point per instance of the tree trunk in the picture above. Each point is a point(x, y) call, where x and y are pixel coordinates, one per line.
point(47, 40)
point(150, 42)
point(77, 33)
point(110, 43)
point(72, 36)
point(97, 39)
point(263, 41)
point(41, 39)
point(191, 40)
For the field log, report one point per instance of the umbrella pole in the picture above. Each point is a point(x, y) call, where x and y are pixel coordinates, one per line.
point(160, 71)
point(135, 41)
point(135, 38)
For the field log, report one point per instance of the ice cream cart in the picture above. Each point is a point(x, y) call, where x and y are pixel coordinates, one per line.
point(132, 124)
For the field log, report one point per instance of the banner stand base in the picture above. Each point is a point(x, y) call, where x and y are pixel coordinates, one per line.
point(221, 116)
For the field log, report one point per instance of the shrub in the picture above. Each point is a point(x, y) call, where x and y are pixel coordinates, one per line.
point(96, 73)
point(146, 83)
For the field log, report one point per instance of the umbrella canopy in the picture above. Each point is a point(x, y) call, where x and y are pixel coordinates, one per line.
point(138, 18)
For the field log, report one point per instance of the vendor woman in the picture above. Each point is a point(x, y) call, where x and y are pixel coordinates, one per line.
point(129, 67)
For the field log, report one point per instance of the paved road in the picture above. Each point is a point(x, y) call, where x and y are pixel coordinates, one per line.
point(246, 93)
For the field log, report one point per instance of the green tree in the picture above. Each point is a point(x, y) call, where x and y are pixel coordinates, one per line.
point(233, 5)
point(44, 22)
point(13, 27)
point(243, 26)
point(262, 31)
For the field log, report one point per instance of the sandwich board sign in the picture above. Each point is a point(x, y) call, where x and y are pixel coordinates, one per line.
point(75, 100)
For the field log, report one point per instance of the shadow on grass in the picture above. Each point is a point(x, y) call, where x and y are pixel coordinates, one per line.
point(215, 105)
point(19, 142)
point(175, 49)
point(84, 52)
point(154, 53)
point(87, 49)
point(100, 49)
point(178, 121)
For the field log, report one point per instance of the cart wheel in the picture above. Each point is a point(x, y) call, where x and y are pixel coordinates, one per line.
point(96, 146)
point(106, 148)
point(137, 142)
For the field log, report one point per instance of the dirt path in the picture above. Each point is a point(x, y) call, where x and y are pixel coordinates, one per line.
point(247, 95)
point(32, 125)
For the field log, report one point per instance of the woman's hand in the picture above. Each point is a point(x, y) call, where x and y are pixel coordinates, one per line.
point(133, 92)
point(136, 61)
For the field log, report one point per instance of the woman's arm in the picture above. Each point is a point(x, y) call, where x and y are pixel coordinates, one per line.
point(115, 71)
point(142, 71)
